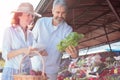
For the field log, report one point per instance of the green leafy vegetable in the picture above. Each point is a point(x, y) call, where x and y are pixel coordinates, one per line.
point(72, 39)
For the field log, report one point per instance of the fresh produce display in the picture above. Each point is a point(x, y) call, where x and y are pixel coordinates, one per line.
point(93, 67)
point(72, 39)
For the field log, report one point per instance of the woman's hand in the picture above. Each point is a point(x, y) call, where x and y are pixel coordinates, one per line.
point(72, 51)
point(30, 50)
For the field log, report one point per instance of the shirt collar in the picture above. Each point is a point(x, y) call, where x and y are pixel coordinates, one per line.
point(19, 29)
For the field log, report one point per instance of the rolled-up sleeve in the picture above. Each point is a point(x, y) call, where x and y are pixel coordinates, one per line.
point(6, 44)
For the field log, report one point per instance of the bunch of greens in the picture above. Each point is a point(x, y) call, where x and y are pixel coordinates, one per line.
point(72, 39)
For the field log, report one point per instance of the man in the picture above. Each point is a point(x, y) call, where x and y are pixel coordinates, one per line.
point(50, 31)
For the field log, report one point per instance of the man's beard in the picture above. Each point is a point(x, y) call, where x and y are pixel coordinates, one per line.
point(59, 21)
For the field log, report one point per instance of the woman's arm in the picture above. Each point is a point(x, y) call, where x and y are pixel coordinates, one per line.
point(15, 53)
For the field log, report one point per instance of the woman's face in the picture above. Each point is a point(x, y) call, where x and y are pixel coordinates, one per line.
point(26, 19)
point(59, 13)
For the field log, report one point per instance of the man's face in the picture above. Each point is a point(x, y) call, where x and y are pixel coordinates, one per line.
point(59, 13)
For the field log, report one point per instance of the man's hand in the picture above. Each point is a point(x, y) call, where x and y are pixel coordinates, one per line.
point(43, 52)
point(72, 51)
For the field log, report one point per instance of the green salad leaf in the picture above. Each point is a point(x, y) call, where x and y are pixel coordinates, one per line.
point(72, 39)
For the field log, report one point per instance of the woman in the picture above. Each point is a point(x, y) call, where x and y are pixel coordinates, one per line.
point(17, 41)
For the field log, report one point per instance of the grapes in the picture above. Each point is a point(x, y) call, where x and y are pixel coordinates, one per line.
point(32, 72)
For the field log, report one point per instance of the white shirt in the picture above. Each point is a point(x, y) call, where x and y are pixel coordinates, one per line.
point(45, 33)
point(14, 39)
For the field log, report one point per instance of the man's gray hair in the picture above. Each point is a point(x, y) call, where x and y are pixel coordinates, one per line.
point(59, 2)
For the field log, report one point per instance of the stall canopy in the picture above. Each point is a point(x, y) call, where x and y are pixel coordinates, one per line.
point(98, 20)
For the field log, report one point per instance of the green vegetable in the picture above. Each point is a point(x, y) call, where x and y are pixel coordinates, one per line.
point(72, 39)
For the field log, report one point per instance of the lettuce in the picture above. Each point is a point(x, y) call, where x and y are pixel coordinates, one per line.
point(72, 39)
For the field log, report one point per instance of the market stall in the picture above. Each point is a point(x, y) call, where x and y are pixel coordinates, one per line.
point(100, 66)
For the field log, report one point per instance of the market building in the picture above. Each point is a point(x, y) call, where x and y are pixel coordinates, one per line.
point(99, 21)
